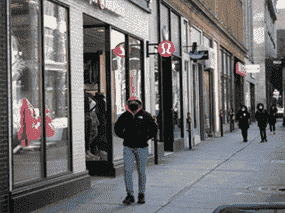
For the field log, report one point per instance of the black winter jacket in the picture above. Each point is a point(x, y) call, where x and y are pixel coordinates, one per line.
point(272, 114)
point(136, 129)
point(261, 116)
point(243, 117)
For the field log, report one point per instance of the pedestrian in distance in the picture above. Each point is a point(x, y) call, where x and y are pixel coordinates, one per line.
point(243, 118)
point(262, 116)
point(136, 127)
point(272, 118)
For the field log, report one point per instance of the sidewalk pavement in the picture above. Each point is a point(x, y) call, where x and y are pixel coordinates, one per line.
point(219, 171)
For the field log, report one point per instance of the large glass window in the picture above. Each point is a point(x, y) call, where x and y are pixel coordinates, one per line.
point(194, 67)
point(185, 37)
point(164, 14)
point(118, 76)
point(26, 92)
point(195, 36)
point(176, 69)
point(135, 68)
point(175, 32)
point(56, 84)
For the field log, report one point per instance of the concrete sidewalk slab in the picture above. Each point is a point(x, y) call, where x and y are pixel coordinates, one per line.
point(216, 172)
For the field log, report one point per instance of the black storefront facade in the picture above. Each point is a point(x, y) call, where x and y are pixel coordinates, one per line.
point(56, 52)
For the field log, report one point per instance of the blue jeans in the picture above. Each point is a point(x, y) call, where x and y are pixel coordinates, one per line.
point(130, 155)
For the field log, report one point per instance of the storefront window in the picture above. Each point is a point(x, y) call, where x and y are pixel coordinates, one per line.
point(56, 84)
point(118, 76)
point(195, 36)
point(164, 14)
point(194, 67)
point(135, 68)
point(26, 92)
point(185, 37)
point(206, 100)
point(176, 63)
point(225, 100)
point(175, 32)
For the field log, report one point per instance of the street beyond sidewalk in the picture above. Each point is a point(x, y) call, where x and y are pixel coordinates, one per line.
point(216, 172)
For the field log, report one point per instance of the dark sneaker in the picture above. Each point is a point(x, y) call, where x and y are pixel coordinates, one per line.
point(129, 199)
point(261, 141)
point(141, 199)
point(265, 140)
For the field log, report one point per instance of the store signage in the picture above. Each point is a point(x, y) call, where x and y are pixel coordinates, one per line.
point(277, 62)
point(253, 68)
point(110, 5)
point(166, 48)
point(199, 55)
point(119, 50)
point(240, 69)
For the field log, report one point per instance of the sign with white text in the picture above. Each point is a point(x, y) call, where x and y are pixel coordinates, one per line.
point(254, 68)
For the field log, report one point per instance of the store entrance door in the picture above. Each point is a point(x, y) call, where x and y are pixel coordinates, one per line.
point(252, 99)
point(208, 102)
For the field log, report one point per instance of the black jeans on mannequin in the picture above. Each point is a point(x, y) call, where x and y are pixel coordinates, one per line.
point(263, 133)
point(244, 134)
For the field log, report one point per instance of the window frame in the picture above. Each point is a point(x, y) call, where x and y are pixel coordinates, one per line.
point(41, 54)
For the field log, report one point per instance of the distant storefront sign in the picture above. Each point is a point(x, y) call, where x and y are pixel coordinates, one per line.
point(240, 69)
point(277, 62)
point(110, 5)
point(255, 68)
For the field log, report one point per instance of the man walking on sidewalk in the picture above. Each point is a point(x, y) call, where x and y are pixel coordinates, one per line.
point(243, 118)
point(262, 116)
point(136, 127)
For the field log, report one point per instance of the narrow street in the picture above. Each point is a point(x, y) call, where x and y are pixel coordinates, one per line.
point(216, 172)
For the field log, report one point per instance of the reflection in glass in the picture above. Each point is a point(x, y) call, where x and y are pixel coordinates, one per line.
point(135, 68)
point(175, 32)
point(195, 36)
point(225, 100)
point(164, 14)
point(206, 102)
point(176, 97)
point(118, 76)
point(185, 38)
point(26, 97)
point(56, 86)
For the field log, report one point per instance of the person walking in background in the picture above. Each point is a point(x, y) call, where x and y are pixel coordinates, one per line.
point(243, 118)
point(272, 118)
point(136, 127)
point(262, 116)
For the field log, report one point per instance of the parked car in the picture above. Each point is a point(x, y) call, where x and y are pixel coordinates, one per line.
point(280, 112)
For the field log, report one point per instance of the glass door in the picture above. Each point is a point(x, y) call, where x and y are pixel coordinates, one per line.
point(96, 145)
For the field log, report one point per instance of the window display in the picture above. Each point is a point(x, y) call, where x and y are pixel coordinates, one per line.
point(96, 145)
point(26, 92)
point(176, 97)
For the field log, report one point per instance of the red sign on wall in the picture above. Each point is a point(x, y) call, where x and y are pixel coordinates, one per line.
point(240, 69)
point(166, 48)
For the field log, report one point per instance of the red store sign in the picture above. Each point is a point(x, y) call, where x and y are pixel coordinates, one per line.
point(110, 5)
point(240, 69)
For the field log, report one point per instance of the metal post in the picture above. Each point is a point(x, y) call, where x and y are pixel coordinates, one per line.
point(155, 146)
point(221, 124)
point(189, 120)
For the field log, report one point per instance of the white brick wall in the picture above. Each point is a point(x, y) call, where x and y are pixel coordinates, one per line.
point(77, 94)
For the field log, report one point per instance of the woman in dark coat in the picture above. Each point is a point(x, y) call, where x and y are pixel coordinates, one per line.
point(243, 117)
point(272, 118)
point(262, 116)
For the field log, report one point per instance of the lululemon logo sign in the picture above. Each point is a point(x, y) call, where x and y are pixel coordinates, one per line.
point(119, 51)
point(166, 48)
point(101, 4)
